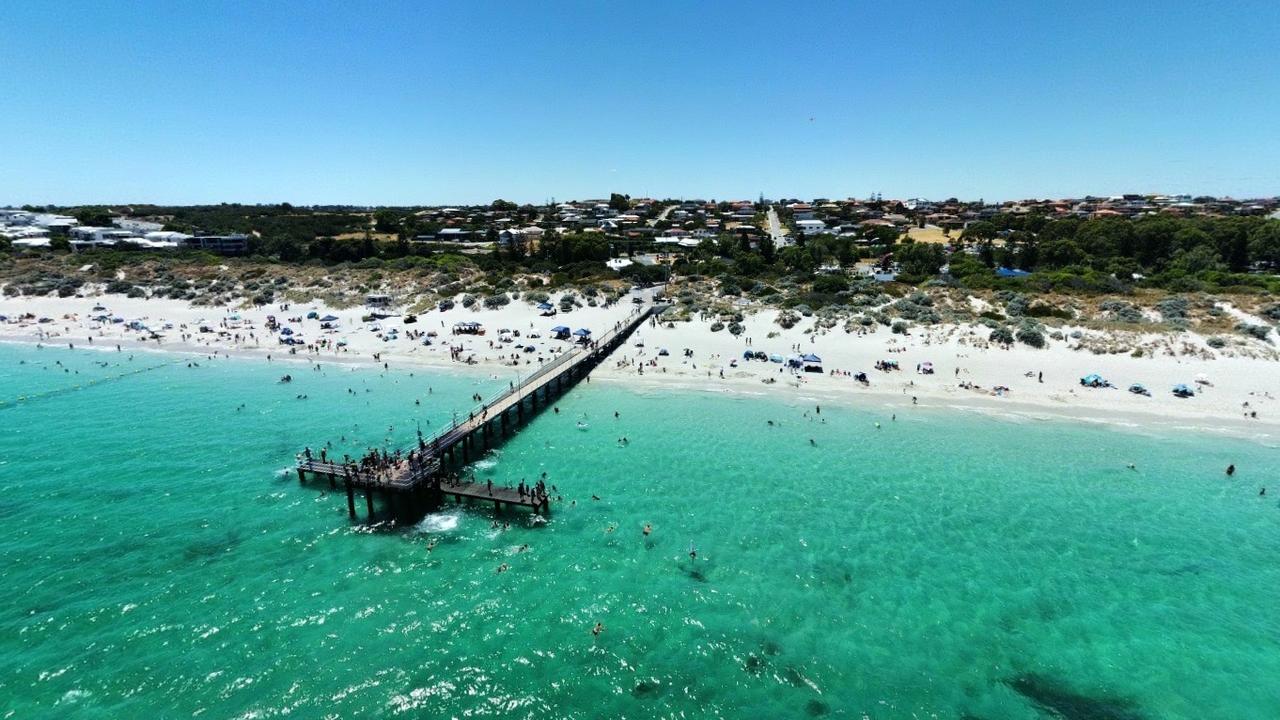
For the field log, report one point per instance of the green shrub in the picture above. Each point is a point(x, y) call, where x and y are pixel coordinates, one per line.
point(1031, 336)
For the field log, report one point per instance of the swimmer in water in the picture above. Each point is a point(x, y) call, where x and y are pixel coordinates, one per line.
point(599, 628)
point(648, 528)
point(693, 552)
point(503, 567)
point(1231, 470)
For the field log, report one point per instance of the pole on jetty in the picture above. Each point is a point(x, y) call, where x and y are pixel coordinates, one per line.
point(368, 501)
point(351, 499)
point(302, 474)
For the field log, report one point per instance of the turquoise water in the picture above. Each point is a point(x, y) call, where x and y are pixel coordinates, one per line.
point(156, 561)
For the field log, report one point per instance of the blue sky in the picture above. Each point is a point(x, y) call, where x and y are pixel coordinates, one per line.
point(423, 103)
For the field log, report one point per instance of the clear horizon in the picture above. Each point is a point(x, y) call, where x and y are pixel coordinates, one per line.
point(396, 104)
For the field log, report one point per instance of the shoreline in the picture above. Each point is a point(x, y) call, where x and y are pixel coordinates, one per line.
point(960, 354)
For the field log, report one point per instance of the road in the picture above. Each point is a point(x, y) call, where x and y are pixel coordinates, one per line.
point(662, 215)
point(774, 227)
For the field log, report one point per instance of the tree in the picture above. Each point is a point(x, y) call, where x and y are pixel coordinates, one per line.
point(1264, 242)
point(919, 259)
point(767, 249)
point(981, 230)
point(386, 221)
point(964, 265)
point(1198, 259)
point(621, 203)
point(93, 217)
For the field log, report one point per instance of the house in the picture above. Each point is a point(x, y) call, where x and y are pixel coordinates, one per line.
point(811, 227)
point(237, 244)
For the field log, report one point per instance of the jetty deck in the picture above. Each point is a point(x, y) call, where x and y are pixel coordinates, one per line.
point(421, 476)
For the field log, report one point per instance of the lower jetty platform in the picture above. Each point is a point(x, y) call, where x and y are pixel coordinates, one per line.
point(416, 480)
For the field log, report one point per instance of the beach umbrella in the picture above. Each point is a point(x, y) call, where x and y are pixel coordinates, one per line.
point(329, 318)
point(582, 332)
point(811, 358)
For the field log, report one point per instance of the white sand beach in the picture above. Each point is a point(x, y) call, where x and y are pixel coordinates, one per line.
point(1234, 394)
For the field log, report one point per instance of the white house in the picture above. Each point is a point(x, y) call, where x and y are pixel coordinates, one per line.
point(811, 227)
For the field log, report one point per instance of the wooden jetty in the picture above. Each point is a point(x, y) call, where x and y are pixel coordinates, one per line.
point(421, 480)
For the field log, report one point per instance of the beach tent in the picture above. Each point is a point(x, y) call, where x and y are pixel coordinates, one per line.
point(811, 362)
point(1181, 390)
point(329, 318)
point(286, 331)
point(560, 332)
point(811, 358)
point(775, 358)
point(1094, 380)
point(313, 315)
point(582, 332)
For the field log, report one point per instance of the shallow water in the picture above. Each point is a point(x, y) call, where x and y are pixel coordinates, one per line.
point(158, 560)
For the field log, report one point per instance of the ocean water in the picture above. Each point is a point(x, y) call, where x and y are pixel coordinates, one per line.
point(158, 560)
